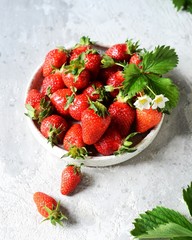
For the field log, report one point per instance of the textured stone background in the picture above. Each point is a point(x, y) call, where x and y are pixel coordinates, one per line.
point(108, 199)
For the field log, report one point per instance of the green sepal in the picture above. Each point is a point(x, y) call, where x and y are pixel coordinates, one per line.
point(127, 145)
point(53, 135)
point(76, 152)
point(98, 108)
point(70, 100)
point(46, 109)
point(107, 61)
point(31, 112)
point(55, 215)
point(132, 47)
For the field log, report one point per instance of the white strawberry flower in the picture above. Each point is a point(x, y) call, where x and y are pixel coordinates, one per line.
point(143, 102)
point(159, 101)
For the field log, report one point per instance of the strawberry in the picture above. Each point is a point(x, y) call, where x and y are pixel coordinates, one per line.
point(60, 100)
point(122, 116)
point(38, 107)
point(71, 177)
point(95, 121)
point(78, 81)
point(105, 73)
point(53, 128)
point(54, 60)
point(114, 83)
point(73, 142)
point(52, 83)
point(109, 142)
point(84, 44)
point(95, 91)
point(135, 59)
point(48, 208)
point(147, 119)
point(33, 97)
point(122, 51)
point(92, 62)
point(79, 104)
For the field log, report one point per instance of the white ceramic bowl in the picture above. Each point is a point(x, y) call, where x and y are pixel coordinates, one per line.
point(96, 161)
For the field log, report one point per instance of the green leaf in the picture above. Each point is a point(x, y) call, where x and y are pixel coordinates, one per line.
point(159, 61)
point(179, 4)
point(134, 81)
point(168, 230)
point(107, 61)
point(156, 219)
point(166, 87)
point(187, 196)
point(185, 5)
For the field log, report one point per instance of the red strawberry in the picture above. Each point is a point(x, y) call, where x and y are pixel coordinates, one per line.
point(73, 142)
point(95, 121)
point(33, 97)
point(84, 44)
point(135, 59)
point(38, 107)
point(122, 51)
point(92, 62)
point(114, 82)
point(79, 81)
point(53, 128)
point(60, 100)
point(95, 91)
point(52, 83)
point(53, 60)
point(48, 208)
point(79, 104)
point(109, 142)
point(147, 119)
point(122, 116)
point(105, 73)
point(71, 177)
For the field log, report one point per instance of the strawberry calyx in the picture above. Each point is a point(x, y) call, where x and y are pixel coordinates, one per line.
point(108, 61)
point(101, 91)
point(127, 145)
point(70, 100)
point(41, 111)
point(53, 135)
point(55, 215)
point(98, 108)
point(132, 47)
point(76, 66)
point(77, 152)
point(84, 41)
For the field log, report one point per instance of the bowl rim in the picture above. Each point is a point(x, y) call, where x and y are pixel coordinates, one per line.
point(92, 161)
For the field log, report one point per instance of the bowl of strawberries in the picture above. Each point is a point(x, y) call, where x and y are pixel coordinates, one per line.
point(99, 105)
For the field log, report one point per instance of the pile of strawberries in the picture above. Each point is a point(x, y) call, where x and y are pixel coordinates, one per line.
point(80, 103)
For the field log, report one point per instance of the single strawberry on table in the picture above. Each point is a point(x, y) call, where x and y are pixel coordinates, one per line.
point(54, 128)
point(95, 121)
point(71, 177)
point(52, 83)
point(54, 60)
point(147, 119)
point(48, 208)
point(73, 142)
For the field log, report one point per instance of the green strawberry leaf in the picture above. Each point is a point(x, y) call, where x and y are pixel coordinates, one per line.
point(185, 5)
point(135, 81)
point(161, 222)
point(159, 61)
point(187, 196)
